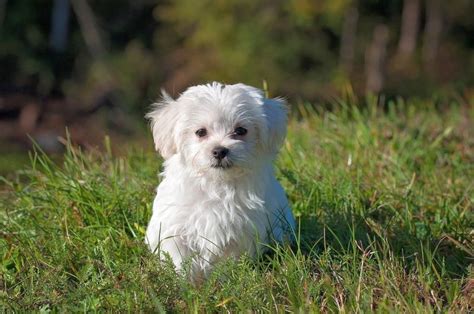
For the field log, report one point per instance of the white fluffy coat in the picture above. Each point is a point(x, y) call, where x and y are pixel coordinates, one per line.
point(207, 209)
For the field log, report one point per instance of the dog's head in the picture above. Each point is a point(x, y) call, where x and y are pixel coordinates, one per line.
point(219, 128)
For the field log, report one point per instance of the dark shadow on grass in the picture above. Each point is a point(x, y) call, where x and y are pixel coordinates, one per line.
point(343, 232)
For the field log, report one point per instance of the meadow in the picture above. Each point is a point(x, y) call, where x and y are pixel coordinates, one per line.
point(383, 196)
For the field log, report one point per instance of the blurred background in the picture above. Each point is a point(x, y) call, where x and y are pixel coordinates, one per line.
point(95, 66)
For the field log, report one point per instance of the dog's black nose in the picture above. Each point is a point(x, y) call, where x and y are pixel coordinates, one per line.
point(220, 152)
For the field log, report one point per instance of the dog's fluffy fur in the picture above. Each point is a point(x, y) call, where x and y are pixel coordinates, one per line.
point(209, 208)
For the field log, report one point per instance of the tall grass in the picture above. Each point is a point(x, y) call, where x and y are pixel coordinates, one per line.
point(383, 197)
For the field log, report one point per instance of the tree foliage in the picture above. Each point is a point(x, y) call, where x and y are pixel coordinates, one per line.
point(295, 45)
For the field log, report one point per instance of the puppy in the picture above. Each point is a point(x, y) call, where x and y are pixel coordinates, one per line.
point(218, 196)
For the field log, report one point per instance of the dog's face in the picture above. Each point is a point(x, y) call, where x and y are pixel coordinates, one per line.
point(219, 129)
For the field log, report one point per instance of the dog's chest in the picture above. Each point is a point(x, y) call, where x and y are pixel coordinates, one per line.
point(226, 223)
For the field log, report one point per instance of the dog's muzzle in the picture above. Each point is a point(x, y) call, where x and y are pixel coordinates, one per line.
point(221, 159)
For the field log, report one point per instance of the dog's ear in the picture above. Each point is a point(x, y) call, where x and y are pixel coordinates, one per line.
point(275, 115)
point(163, 119)
point(275, 112)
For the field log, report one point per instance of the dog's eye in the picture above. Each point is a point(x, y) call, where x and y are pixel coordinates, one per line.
point(201, 132)
point(240, 131)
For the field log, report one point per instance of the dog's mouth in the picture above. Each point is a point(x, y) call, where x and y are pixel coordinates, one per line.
point(222, 165)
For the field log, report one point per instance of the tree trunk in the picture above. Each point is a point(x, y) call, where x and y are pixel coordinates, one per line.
point(59, 25)
point(91, 34)
point(348, 39)
point(375, 59)
point(409, 28)
point(432, 34)
point(89, 28)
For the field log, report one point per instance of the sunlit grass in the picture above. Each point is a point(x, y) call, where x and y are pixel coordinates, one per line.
point(384, 200)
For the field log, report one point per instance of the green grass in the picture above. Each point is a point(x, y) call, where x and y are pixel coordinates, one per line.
point(384, 200)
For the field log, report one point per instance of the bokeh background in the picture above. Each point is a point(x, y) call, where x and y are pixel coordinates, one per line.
point(95, 66)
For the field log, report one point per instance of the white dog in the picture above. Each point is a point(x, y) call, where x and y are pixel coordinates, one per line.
point(219, 197)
